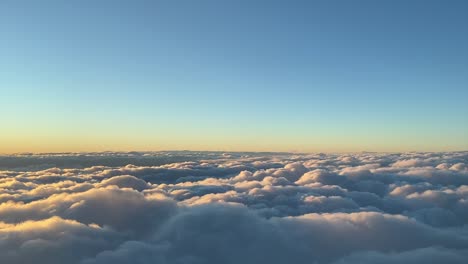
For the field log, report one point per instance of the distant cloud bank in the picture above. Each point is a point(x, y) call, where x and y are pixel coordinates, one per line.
point(212, 207)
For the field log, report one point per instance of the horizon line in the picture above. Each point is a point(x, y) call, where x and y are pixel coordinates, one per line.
point(220, 151)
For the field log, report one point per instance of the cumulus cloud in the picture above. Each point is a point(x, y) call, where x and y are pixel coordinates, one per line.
point(213, 207)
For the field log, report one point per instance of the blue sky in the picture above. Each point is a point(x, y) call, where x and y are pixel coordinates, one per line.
point(234, 75)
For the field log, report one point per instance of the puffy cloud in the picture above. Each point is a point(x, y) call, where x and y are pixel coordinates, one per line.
point(53, 240)
point(126, 181)
point(212, 207)
point(122, 209)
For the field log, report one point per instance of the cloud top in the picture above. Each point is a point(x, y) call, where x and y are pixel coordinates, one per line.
point(212, 207)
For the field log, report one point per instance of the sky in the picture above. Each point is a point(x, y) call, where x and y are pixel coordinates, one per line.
point(306, 76)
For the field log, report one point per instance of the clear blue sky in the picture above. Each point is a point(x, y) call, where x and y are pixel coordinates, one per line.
point(233, 75)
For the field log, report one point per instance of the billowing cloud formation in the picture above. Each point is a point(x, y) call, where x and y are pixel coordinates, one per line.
point(211, 207)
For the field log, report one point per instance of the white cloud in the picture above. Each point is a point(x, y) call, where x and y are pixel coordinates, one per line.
point(185, 207)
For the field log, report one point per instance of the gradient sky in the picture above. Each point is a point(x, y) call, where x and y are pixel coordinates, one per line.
point(233, 75)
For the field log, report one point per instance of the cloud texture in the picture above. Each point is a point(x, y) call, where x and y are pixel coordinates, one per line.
point(211, 207)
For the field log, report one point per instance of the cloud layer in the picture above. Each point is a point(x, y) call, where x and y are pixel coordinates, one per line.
point(211, 207)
